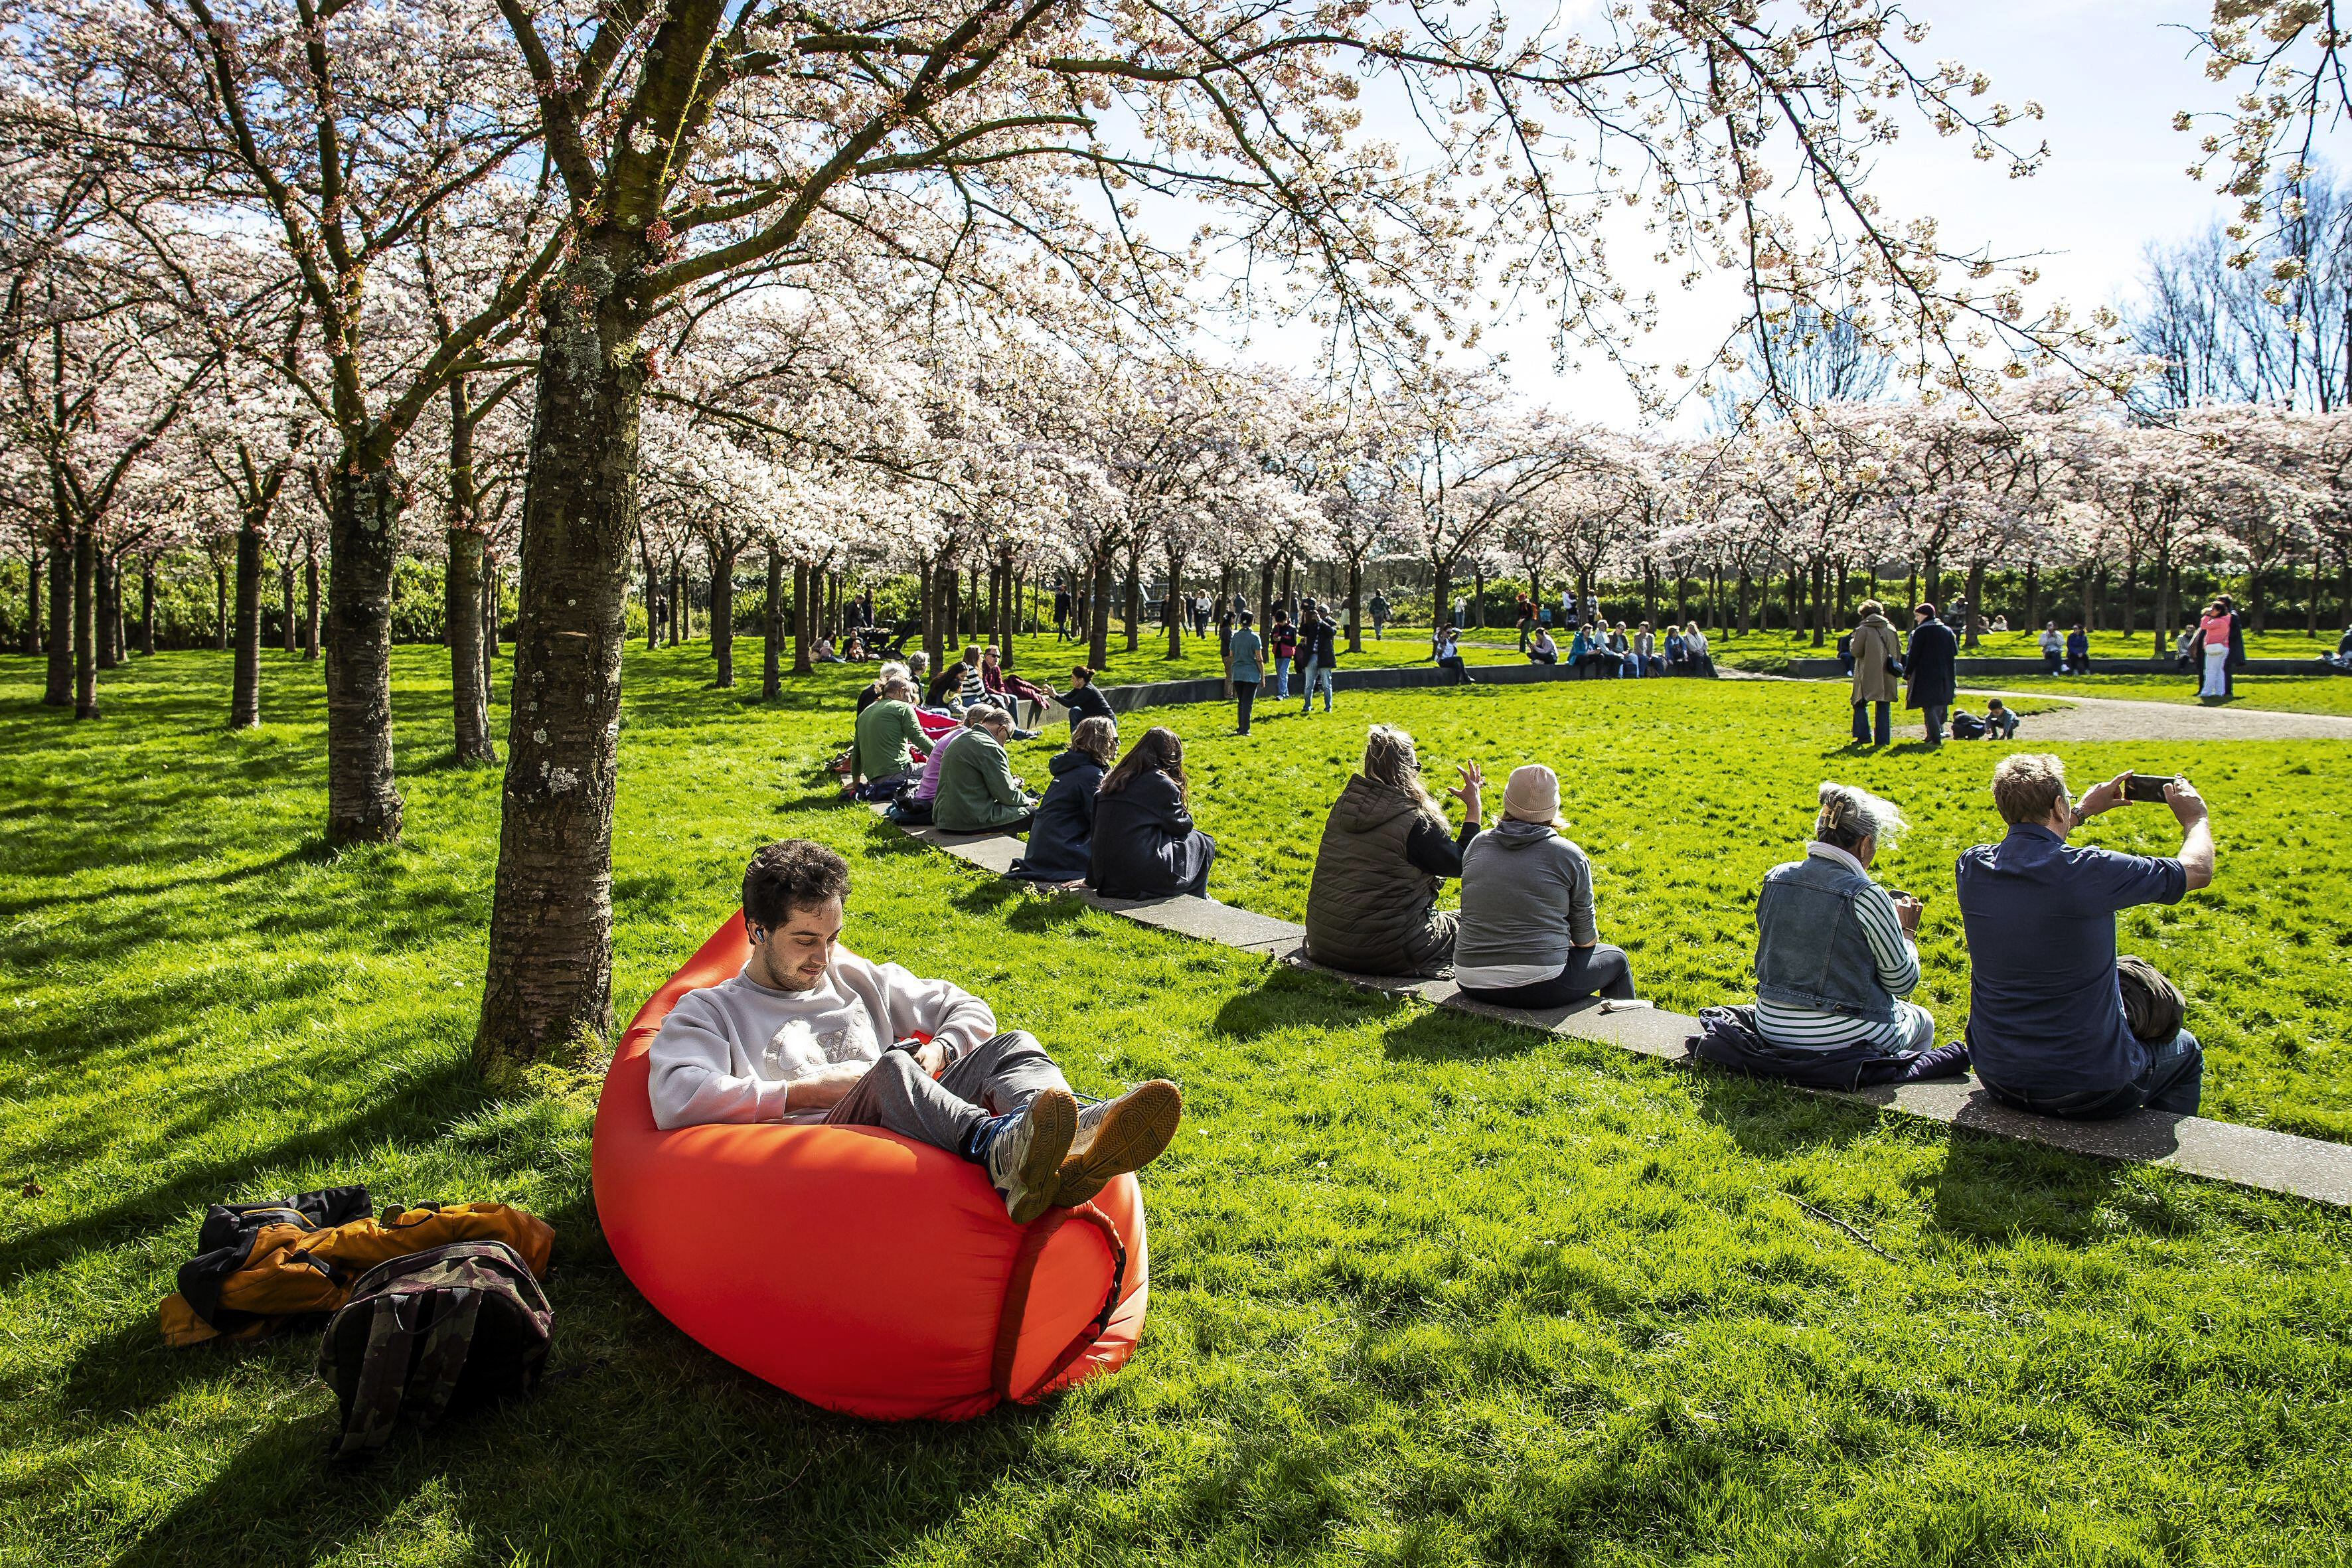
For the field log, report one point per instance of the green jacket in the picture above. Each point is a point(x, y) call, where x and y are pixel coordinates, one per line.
point(977, 789)
point(887, 734)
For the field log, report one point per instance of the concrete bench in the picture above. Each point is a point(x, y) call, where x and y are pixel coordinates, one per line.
point(2308, 1168)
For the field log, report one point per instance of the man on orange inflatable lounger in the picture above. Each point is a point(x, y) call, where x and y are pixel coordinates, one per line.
point(811, 1032)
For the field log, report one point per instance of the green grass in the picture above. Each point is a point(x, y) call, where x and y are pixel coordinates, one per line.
point(1047, 658)
point(2273, 693)
point(1427, 1289)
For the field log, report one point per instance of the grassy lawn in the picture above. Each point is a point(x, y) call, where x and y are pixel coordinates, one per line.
point(2274, 693)
point(1428, 1290)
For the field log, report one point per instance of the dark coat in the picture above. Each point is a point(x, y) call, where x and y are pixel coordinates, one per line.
point(1144, 843)
point(1320, 645)
point(1086, 702)
point(1065, 822)
point(1930, 670)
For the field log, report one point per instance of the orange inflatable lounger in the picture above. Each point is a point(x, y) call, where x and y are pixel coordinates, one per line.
point(857, 1270)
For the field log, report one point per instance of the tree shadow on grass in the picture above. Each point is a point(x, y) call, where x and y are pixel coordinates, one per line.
point(1443, 1034)
point(422, 1111)
point(1288, 1000)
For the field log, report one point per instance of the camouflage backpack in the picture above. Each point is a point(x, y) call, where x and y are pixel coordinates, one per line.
point(450, 1325)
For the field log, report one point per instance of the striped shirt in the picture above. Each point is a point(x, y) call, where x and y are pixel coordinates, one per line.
point(975, 690)
point(1892, 953)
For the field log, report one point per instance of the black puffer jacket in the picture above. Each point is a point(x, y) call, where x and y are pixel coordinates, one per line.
point(1059, 837)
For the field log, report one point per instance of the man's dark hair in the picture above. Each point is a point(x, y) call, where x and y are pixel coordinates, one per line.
point(792, 874)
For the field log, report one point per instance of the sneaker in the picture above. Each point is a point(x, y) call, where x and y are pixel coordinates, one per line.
point(1119, 1136)
point(1026, 1160)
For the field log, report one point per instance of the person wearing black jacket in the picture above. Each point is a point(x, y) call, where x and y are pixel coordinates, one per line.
point(1931, 672)
point(1319, 653)
point(1144, 843)
point(1060, 837)
point(1083, 701)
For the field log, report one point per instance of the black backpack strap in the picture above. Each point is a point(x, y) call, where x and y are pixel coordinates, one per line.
point(375, 1404)
point(442, 1359)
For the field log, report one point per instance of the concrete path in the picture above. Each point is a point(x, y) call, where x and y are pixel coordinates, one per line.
point(2223, 1151)
point(2122, 719)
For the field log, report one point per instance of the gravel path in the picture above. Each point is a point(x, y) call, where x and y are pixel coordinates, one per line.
point(2119, 719)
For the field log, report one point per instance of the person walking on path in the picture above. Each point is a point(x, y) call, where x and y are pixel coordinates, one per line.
point(1242, 667)
point(1380, 615)
point(1878, 666)
point(1319, 651)
point(1931, 667)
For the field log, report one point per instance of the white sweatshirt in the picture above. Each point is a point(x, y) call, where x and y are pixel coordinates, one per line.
point(728, 1052)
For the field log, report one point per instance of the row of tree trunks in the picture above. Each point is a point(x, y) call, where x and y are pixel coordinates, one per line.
point(722, 616)
point(772, 631)
point(244, 683)
point(85, 663)
point(58, 692)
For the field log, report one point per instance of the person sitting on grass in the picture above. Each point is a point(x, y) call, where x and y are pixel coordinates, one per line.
point(1144, 845)
point(809, 1031)
point(883, 675)
point(2050, 1024)
point(1062, 832)
point(1084, 702)
point(889, 738)
point(822, 652)
point(1372, 905)
point(1834, 951)
point(1528, 936)
point(978, 792)
point(1005, 689)
point(945, 694)
point(1541, 649)
point(913, 807)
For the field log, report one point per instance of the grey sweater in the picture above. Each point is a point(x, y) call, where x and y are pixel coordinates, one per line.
point(1527, 899)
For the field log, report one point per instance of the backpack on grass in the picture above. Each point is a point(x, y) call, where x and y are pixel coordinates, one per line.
point(438, 1329)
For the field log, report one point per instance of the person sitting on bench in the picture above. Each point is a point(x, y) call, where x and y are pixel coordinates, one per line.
point(809, 1031)
point(978, 792)
point(1834, 951)
point(2047, 1025)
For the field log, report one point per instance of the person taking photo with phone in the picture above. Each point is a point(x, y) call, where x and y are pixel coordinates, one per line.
point(2057, 1023)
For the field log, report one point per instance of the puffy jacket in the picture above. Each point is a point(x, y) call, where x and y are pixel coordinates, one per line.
point(1370, 908)
point(1059, 838)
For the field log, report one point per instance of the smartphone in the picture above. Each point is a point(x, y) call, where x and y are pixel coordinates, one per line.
point(2146, 786)
point(1900, 893)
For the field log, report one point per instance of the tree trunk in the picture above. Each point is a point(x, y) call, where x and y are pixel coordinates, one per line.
point(286, 628)
point(489, 619)
point(722, 616)
point(147, 609)
point(1355, 603)
point(1099, 631)
point(1478, 594)
point(1172, 608)
point(653, 600)
point(309, 601)
point(952, 597)
point(928, 586)
point(549, 973)
point(2032, 595)
point(245, 681)
point(109, 628)
point(1441, 589)
point(677, 601)
point(469, 687)
point(1134, 602)
point(363, 802)
point(772, 631)
point(2310, 611)
point(85, 612)
point(1265, 593)
point(803, 619)
point(1740, 604)
point(220, 608)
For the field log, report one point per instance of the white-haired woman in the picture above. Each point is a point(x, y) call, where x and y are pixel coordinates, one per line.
point(1834, 951)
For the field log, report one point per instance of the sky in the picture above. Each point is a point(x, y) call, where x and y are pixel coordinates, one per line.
point(2109, 74)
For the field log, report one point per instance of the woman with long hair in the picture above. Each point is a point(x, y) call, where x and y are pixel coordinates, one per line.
point(1144, 843)
point(1371, 907)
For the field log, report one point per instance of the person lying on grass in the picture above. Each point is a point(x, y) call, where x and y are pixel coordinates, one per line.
point(1834, 952)
point(809, 1031)
point(2049, 1025)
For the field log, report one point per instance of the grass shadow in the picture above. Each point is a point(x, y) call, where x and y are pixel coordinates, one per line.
point(1444, 1035)
point(1289, 1000)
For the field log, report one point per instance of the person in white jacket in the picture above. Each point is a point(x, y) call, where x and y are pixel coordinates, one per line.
point(809, 1031)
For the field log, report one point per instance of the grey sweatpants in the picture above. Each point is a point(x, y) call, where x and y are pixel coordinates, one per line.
point(1001, 1074)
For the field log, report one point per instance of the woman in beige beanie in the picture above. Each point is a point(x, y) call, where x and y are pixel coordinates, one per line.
point(1528, 937)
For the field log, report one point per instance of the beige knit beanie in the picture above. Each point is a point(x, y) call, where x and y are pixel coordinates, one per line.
point(1532, 795)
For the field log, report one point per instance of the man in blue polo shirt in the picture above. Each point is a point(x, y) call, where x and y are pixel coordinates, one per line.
point(2046, 1023)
